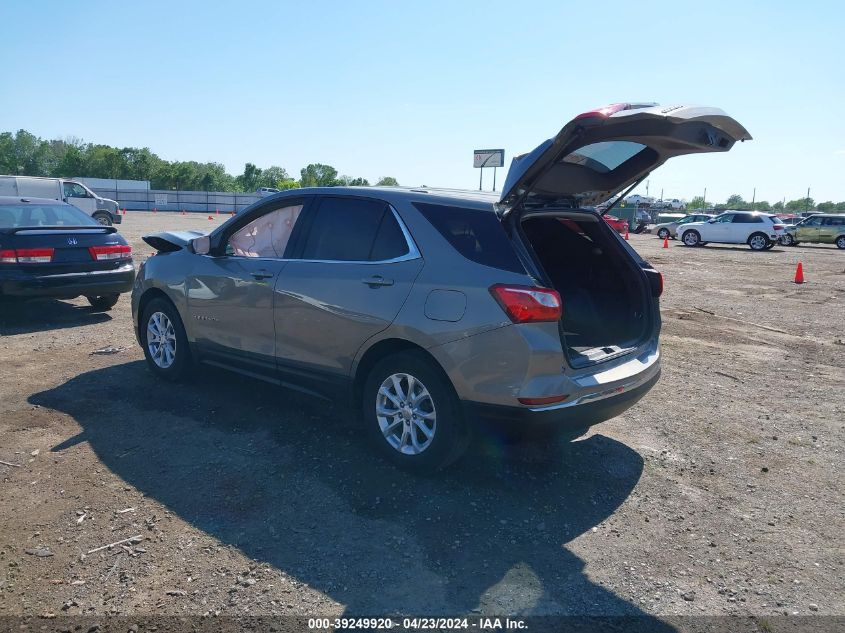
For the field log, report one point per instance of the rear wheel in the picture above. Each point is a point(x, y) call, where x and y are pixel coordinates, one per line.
point(103, 302)
point(758, 242)
point(164, 340)
point(840, 242)
point(691, 238)
point(770, 245)
point(103, 218)
point(412, 414)
point(663, 233)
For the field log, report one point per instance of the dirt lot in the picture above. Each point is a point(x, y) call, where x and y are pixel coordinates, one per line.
point(720, 493)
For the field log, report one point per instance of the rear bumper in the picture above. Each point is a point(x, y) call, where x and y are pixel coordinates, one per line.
point(568, 417)
point(67, 285)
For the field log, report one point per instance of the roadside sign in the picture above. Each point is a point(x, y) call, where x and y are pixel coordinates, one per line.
point(160, 199)
point(488, 158)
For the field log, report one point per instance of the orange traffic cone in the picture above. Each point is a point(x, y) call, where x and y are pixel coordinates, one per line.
point(218, 211)
point(211, 217)
point(183, 211)
point(233, 214)
point(665, 242)
point(154, 210)
point(626, 234)
point(799, 274)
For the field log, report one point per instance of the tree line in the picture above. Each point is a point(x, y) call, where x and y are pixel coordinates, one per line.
point(793, 206)
point(24, 154)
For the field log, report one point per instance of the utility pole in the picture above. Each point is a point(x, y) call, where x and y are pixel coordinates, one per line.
point(704, 199)
point(646, 188)
point(807, 201)
point(754, 197)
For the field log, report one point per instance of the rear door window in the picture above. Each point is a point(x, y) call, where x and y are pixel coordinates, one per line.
point(746, 218)
point(345, 229)
point(476, 234)
point(834, 221)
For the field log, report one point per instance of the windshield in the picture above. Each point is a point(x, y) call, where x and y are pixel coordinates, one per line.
point(13, 216)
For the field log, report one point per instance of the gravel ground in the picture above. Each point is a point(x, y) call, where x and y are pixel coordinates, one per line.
point(719, 493)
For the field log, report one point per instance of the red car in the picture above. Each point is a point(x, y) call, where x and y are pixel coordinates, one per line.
point(617, 224)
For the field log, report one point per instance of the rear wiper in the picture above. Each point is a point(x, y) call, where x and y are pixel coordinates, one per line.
point(622, 197)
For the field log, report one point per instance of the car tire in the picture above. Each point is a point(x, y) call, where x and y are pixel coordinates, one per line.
point(663, 234)
point(426, 433)
point(101, 303)
point(787, 240)
point(170, 355)
point(840, 242)
point(103, 218)
point(758, 241)
point(770, 245)
point(691, 238)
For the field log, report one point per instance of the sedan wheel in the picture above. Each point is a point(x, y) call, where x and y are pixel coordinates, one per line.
point(663, 234)
point(406, 414)
point(840, 242)
point(787, 239)
point(758, 242)
point(691, 238)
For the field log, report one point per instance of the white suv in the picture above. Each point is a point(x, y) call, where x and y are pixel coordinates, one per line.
point(760, 231)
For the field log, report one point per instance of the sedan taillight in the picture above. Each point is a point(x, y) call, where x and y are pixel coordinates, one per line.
point(778, 227)
point(112, 251)
point(528, 304)
point(27, 256)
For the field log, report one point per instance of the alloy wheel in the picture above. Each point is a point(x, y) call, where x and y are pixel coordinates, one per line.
point(758, 242)
point(161, 339)
point(406, 414)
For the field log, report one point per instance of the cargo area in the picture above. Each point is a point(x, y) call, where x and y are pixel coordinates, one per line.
point(604, 296)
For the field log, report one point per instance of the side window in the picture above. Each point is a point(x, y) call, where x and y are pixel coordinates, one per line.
point(729, 217)
point(344, 229)
point(476, 234)
point(814, 222)
point(74, 190)
point(834, 221)
point(390, 242)
point(266, 236)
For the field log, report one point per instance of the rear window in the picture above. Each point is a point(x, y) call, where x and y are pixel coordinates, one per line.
point(475, 234)
point(605, 156)
point(13, 216)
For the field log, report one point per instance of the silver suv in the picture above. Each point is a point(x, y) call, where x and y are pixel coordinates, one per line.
point(431, 310)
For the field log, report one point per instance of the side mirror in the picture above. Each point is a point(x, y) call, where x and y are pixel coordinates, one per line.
point(201, 245)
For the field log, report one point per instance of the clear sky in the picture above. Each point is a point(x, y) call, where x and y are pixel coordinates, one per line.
point(410, 89)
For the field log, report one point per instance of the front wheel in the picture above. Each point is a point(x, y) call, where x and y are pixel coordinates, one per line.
point(787, 240)
point(663, 234)
point(103, 218)
point(164, 340)
point(840, 242)
point(758, 242)
point(103, 302)
point(770, 245)
point(412, 414)
point(691, 238)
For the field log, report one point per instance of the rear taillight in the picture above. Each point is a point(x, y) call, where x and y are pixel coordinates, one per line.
point(778, 227)
point(113, 251)
point(528, 304)
point(655, 281)
point(27, 256)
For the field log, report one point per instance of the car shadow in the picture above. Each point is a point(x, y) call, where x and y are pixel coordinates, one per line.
point(290, 480)
point(40, 315)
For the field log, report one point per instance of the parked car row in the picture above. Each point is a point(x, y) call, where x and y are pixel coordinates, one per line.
point(426, 311)
point(103, 210)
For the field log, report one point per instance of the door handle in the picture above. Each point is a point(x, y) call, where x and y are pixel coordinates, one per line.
point(377, 280)
point(261, 274)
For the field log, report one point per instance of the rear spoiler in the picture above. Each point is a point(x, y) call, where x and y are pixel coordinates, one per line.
point(170, 241)
point(20, 229)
